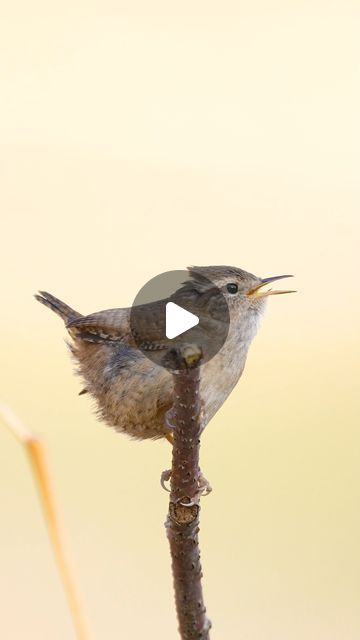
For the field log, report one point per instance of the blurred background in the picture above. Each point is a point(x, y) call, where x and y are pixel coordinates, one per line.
point(141, 137)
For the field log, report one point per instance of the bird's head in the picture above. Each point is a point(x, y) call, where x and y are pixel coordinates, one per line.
point(244, 292)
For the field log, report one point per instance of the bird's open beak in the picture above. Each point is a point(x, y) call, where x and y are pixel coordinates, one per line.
point(257, 292)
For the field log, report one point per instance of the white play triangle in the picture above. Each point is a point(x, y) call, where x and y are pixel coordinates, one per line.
point(178, 320)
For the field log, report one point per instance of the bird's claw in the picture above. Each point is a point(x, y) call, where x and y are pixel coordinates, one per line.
point(169, 416)
point(165, 477)
point(167, 419)
point(204, 486)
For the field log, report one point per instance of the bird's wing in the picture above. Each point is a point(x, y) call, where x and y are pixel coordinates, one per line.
point(102, 326)
point(141, 325)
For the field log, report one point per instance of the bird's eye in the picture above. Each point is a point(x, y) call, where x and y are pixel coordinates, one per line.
point(232, 287)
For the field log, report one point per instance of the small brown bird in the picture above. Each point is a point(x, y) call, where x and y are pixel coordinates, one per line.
point(133, 394)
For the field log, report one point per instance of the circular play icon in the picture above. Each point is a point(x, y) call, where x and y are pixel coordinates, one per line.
point(179, 308)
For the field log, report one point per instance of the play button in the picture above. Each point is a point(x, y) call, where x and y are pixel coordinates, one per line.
point(178, 320)
point(176, 309)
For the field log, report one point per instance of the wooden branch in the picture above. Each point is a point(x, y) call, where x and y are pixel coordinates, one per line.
point(182, 522)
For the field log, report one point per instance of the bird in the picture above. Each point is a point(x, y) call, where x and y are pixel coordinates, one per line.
point(132, 392)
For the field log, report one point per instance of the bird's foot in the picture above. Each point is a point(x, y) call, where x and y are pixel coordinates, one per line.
point(204, 486)
point(169, 416)
point(168, 419)
point(165, 477)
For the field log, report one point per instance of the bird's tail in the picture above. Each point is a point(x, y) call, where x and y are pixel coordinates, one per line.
point(56, 305)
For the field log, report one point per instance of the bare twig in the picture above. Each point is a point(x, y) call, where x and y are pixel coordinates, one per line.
point(187, 485)
point(35, 452)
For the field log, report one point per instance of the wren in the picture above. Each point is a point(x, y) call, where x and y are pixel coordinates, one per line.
point(133, 393)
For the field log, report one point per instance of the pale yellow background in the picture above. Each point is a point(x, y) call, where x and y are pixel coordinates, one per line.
point(138, 137)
